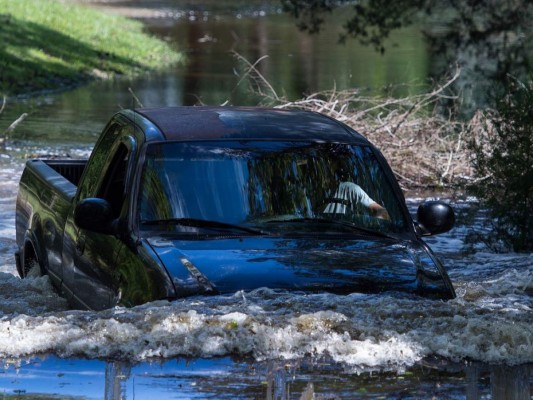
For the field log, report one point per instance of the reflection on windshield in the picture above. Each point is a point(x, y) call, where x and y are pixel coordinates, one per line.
point(254, 182)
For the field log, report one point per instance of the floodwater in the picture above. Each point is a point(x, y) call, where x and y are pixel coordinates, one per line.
point(262, 344)
point(268, 344)
point(292, 64)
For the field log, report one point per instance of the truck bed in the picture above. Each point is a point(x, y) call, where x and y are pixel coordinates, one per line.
point(70, 169)
point(63, 175)
point(46, 190)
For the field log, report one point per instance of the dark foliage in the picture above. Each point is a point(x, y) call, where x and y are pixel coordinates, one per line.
point(371, 21)
point(488, 39)
point(503, 159)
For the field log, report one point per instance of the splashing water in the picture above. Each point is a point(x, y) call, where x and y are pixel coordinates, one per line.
point(489, 321)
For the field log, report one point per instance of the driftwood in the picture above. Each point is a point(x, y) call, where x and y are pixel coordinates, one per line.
point(5, 135)
point(424, 148)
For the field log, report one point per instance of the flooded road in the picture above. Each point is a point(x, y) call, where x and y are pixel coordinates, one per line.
point(262, 344)
point(271, 344)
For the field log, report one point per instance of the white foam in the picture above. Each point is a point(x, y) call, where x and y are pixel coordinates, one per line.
point(31, 296)
point(371, 331)
point(490, 320)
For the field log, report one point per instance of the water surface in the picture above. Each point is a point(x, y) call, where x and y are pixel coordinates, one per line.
point(293, 64)
point(260, 344)
point(378, 346)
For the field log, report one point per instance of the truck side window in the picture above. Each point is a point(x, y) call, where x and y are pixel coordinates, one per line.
point(95, 167)
point(114, 184)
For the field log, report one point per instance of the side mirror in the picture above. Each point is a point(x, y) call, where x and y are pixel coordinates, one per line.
point(95, 215)
point(435, 217)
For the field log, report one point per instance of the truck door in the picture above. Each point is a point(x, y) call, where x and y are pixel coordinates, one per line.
point(90, 276)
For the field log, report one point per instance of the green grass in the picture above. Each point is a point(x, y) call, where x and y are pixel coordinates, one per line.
point(49, 44)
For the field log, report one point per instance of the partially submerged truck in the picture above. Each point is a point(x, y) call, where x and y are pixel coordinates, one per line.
point(184, 201)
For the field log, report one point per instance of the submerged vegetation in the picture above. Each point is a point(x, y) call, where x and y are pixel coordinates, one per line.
point(49, 44)
point(424, 148)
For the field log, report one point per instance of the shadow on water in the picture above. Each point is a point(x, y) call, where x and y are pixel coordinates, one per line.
point(224, 378)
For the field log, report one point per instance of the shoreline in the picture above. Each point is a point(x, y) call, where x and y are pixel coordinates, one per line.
point(138, 13)
point(55, 46)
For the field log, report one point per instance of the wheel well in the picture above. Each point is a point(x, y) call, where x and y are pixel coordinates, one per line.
point(30, 258)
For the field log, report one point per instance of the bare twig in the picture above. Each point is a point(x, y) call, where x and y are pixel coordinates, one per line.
point(10, 129)
point(423, 148)
point(252, 72)
point(4, 100)
point(135, 97)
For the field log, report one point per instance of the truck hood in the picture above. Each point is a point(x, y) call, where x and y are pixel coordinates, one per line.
point(332, 265)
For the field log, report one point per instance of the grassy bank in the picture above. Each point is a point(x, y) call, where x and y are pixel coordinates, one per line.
point(49, 44)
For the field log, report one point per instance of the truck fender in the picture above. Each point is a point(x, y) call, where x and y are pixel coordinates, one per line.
point(31, 252)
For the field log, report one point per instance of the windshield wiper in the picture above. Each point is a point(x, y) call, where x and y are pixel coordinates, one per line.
point(349, 225)
point(203, 223)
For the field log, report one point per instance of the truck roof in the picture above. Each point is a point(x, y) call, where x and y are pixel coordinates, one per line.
point(215, 123)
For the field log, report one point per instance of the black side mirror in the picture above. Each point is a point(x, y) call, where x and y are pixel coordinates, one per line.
point(435, 217)
point(94, 214)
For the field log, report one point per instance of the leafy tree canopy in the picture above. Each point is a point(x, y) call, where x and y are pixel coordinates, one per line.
point(372, 21)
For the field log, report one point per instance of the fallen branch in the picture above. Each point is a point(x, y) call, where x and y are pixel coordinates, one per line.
point(4, 100)
point(424, 148)
point(10, 129)
point(135, 97)
point(5, 135)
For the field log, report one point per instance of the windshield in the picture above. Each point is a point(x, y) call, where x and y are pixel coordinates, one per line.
point(277, 186)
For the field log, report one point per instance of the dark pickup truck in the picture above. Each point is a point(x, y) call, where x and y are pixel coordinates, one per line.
point(185, 201)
